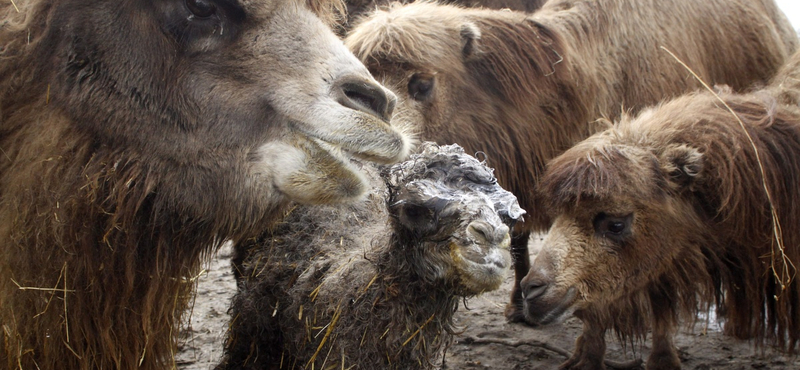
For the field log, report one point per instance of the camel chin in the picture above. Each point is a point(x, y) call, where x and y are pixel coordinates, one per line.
point(311, 171)
point(313, 163)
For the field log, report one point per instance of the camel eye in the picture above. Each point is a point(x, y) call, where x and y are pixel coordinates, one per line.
point(612, 227)
point(418, 219)
point(201, 8)
point(415, 212)
point(616, 227)
point(420, 86)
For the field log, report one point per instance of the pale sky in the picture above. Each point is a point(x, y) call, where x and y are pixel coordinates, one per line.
point(792, 10)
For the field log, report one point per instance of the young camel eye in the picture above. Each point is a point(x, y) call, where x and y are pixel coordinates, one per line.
point(420, 86)
point(201, 8)
point(616, 227)
point(612, 227)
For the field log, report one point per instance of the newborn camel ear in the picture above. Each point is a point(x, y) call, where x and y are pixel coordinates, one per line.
point(682, 165)
point(470, 37)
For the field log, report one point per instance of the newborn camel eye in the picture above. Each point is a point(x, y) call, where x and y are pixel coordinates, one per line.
point(201, 8)
point(612, 227)
point(415, 212)
point(418, 219)
point(420, 86)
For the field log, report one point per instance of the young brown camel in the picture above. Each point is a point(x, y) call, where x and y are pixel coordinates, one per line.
point(690, 204)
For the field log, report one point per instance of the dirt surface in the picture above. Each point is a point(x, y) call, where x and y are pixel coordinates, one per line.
point(702, 348)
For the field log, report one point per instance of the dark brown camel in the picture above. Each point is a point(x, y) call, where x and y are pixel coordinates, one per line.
point(136, 136)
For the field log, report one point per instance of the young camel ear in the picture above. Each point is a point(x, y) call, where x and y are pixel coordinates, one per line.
point(470, 37)
point(682, 165)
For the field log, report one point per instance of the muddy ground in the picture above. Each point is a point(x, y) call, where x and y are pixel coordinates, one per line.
point(512, 346)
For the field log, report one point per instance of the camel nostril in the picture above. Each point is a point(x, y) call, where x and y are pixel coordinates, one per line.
point(487, 233)
point(367, 97)
point(533, 289)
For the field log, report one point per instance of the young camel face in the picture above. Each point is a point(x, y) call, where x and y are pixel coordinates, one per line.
point(258, 91)
point(454, 218)
point(620, 224)
point(422, 52)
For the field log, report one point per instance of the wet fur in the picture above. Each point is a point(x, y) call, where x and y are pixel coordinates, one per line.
point(339, 279)
point(348, 286)
point(695, 171)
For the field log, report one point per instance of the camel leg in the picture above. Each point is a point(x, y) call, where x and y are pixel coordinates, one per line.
point(664, 355)
point(522, 263)
point(590, 347)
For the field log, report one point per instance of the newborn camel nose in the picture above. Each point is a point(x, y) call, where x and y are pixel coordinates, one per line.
point(366, 96)
point(484, 232)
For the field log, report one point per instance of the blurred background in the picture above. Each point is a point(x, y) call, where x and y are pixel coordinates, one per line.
point(792, 10)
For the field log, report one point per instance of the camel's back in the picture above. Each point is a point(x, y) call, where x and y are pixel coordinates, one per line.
point(734, 42)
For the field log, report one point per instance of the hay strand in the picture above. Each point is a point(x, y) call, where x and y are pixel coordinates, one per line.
point(66, 317)
point(41, 289)
point(418, 330)
point(328, 332)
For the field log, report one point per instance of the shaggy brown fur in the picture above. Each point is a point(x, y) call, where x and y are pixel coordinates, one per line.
point(359, 8)
point(523, 88)
point(669, 212)
point(374, 285)
point(136, 136)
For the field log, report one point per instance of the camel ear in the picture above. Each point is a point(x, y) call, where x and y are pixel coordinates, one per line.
point(470, 37)
point(682, 165)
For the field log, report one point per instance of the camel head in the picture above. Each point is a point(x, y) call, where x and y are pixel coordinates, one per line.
point(230, 105)
point(623, 221)
point(423, 52)
point(461, 73)
point(452, 218)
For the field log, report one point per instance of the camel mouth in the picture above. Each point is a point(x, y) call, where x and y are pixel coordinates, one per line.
point(378, 142)
point(538, 313)
point(481, 267)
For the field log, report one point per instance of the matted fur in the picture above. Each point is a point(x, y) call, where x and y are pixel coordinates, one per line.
point(702, 231)
point(354, 286)
point(135, 138)
point(357, 9)
point(525, 87)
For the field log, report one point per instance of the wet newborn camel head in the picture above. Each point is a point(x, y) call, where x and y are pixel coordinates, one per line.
point(453, 218)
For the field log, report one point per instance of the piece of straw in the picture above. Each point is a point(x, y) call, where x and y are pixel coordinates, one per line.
point(328, 332)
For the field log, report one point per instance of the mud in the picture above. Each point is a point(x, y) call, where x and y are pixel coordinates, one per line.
point(487, 341)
